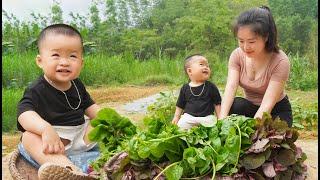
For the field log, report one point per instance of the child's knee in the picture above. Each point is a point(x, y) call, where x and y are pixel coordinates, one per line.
point(29, 137)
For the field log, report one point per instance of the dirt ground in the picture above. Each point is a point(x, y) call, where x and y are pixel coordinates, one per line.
point(114, 97)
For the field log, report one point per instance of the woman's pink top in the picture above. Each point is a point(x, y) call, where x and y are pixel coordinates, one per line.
point(278, 70)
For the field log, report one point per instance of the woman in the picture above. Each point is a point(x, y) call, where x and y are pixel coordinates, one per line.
point(259, 67)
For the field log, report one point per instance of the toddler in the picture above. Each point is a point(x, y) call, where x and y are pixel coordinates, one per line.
point(198, 99)
point(51, 111)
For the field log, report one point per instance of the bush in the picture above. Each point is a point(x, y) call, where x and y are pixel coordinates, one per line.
point(303, 75)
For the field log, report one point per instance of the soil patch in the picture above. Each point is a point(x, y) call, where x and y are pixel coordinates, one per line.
point(123, 94)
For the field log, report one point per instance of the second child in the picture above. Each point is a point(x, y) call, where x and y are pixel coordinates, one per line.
point(199, 99)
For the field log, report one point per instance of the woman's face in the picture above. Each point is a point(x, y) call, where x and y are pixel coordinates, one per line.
point(251, 43)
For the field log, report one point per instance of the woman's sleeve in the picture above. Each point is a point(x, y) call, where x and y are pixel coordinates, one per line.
point(234, 60)
point(281, 71)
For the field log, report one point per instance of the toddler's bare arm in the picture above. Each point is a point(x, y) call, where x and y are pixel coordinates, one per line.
point(217, 108)
point(92, 111)
point(177, 115)
point(33, 123)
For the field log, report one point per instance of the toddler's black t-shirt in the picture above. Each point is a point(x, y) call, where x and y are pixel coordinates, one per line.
point(51, 104)
point(199, 106)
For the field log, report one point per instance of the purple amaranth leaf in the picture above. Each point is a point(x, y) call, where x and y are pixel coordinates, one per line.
point(276, 138)
point(252, 160)
point(291, 135)
point(273, 145)
point(268, 169)
point(259, 146)
point(279, 167)
point(255, 135)
point(117, 162)
point(298, 154)
point(219, 177)
point(128, 175)
point(288, 134)
point(299, 176)
point(286, 157)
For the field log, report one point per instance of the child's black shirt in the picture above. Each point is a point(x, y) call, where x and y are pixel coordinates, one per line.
point(51, 104)
point(199, 106)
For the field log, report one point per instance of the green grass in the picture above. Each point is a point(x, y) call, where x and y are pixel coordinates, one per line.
point(20, 69)
point(303, 73)
point(125, 70)
point(10, 99)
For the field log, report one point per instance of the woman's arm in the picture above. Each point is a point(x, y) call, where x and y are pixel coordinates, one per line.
point(270, 98)
point(229, 92)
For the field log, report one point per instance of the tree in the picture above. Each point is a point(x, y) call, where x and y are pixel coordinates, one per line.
point(56, 13)
point(294, 21)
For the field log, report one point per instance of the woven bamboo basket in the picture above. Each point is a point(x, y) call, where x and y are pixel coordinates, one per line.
point(20, 169)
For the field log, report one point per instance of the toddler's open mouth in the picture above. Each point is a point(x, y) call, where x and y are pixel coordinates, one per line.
point(63, 70)
point(205, 72)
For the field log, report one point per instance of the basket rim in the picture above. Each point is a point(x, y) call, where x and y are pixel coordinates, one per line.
point(12, 165)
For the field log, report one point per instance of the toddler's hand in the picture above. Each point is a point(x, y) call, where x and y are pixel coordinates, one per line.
point(51, 142)
point(175, 120)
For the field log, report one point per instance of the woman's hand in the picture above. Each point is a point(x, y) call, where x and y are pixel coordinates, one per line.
point(258, 114)
point(270, 98)
point(51, 142)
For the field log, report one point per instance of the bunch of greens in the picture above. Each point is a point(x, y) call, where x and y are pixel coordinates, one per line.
point(110, 130)
point(235, 147)
point(273, 153)
point(162, 148)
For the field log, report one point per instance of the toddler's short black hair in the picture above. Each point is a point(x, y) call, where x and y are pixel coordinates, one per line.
point(63, 29)
point(188, 59)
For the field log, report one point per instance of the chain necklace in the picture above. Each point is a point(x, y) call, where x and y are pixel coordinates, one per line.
point(78, 96)
point(65, 95)
point(200, 92)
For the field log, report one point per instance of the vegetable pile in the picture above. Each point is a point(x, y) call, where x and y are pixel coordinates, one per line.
point(237, 147)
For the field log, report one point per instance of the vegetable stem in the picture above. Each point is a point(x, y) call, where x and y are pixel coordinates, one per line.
point(165, 169)
point(213, 169)
point(235, 165)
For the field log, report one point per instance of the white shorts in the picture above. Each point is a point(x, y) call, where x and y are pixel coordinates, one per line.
point(187, 121)
point(75, 134)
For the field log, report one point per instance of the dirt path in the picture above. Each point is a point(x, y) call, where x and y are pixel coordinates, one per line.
point(135, 109)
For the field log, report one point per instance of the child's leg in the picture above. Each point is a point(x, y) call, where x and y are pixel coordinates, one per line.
point(207, 121)
point(33, 145)
point(187, 121)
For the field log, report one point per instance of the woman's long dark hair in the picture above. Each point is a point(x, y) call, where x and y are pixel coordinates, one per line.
point(261, 22)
